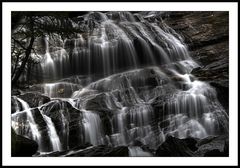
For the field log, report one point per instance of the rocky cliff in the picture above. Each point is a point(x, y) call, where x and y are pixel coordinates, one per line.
point(207, 36)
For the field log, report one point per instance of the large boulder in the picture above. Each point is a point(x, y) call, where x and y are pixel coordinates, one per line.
point(177, 147)
point(117, 151)
point(65, 152)
point(101, 102)
point(34, 99)
point(101, 151)
point(213, 146)
point(92, 151)
point(21, 146)
point(67, 121)
point(22, 123)
point(56, 117)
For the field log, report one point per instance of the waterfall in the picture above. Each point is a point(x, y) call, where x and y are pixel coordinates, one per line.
point(92, 125)
point(48, 64)
point(117, 42)
point(137, 151)
point(34, 127)
point(60, 89)
point(36, 135)
point(56, 144)
point(126, 80)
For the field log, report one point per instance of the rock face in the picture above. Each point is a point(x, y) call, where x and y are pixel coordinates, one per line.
point(209, 146)
point(55, 126)
point(173, 147)
point(207, 35)
point(135, 108)
point(93, 151)
point(103, 151)
point(21, 146)
point(34, 99)
point(67, 122)
point(222, 94)
point(213, 146)
point(177, 147)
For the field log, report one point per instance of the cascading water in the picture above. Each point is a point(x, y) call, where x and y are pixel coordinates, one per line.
point(21, 127)
point(48, 65)
point(32, 124)
point(137, 151)
point(56, 144)
point(92, 125)
point(138, 88)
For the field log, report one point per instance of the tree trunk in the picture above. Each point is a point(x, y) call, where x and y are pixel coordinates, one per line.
point(29, 68)
point(24, 61)
point(27, 54)
point(15, 66)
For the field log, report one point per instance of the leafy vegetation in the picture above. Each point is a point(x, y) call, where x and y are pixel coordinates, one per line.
point(29, 26)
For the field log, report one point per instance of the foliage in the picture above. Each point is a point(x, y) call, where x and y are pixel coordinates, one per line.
point(29, 26)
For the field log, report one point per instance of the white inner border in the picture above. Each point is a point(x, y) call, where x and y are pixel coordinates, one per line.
point(233, 81)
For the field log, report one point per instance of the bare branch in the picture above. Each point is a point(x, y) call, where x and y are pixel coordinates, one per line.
point(19, 43)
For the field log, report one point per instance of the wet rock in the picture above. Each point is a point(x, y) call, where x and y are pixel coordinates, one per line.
point(213, 145)
point(222, 95)
point(22, 127)
point(177, 147)
point(92, 151)
point(101, 102)
point(207, 36)
point(21, 146)
point(209, 146)
point(65, 152)
point(83, 146)
point(135, 78)
point(118, 151)
point(101, 151)
point(34, 99)
point(215, 153)
point(203, 27)
point(67, 121)
point(15, 92)
point(137, 143)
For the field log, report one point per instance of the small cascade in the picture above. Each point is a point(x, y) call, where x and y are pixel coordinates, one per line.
point(60, 89)
point(92, 125)
point(56, 144)
point(48, 64)
point(137, 151)
point(35, 133)
point(16, 107)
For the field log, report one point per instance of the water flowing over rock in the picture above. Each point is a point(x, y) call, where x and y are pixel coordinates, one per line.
point(137, 151)
point(33, 99)
point(207, 35)
point(125, 86)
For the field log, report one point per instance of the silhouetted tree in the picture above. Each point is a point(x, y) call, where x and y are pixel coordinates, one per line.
point(26, 28)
